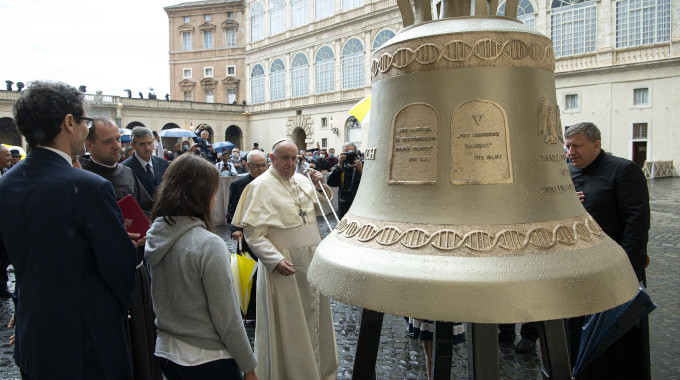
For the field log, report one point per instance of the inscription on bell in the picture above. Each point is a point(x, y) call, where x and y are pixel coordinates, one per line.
point(413, 149)
point(480, 146)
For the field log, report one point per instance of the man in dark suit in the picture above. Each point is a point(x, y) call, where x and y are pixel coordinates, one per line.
point(74, 263)
point(614, 192)
point(256, 162)
point(147, 167)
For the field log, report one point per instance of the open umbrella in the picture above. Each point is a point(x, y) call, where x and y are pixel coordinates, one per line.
point(125, 135)
point(601, 330)
point(361, 108)
point(243, 267)
point(176, 132)
point(224, 144)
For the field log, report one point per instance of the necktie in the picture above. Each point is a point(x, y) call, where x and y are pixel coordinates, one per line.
point(149, 171)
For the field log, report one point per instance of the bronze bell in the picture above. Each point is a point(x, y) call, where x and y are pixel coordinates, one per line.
point(466, 210)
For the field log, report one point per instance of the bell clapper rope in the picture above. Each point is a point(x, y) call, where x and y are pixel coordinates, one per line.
point(307, 173)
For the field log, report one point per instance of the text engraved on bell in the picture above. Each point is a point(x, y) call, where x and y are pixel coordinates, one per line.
point(414, 145)
point(480, 144)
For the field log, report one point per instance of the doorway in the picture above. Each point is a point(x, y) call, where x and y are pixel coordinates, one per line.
point(639, 152)
point(299, 137)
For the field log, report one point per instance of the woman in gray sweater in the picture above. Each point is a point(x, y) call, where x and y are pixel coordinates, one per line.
point(200, 333)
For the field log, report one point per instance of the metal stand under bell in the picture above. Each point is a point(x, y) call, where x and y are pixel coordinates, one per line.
point(483, 350)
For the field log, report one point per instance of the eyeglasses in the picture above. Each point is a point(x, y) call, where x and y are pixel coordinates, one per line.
point(88, 120)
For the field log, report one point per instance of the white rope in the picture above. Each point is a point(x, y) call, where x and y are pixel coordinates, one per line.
point(307, 172)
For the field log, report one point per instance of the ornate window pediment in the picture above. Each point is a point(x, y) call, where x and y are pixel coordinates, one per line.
point(207, 26)
point(229, 24)
point(186, 28)
point(187, 84)
point(208, 83)
point(230, 82)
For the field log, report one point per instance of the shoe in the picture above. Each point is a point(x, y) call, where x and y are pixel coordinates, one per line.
point(525, 346)
point(506, 337)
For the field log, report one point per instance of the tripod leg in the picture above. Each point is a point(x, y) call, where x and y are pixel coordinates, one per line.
point(442, 351)
point(367, 346)
point(554, 350)
point(483, 352)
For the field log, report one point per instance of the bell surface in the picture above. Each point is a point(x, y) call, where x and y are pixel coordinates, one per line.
point(466, 211)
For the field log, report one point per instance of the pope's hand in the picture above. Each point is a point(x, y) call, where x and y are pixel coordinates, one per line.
point(317, 177)
point(237, 235)
point(285, 267)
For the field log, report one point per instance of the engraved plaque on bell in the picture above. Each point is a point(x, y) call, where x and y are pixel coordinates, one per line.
point(480, 144)
point(413, 152)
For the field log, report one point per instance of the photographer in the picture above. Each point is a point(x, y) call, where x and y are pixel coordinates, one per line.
point(346, 175)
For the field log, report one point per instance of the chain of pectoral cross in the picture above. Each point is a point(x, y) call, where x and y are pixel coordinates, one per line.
point(296, 198)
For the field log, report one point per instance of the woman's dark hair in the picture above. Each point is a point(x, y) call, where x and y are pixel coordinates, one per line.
point(187, 189)
point(42, 108)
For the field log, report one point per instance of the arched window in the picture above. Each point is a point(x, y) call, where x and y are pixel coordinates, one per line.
point(277, 17)
point(382, 37)
point(257, 22)
point(351, 4)
point(353, 130)
point(257, 84)
point(298, 13)
point(299, 75)
point(353, 64)
point(573, 27)
point(323, 9)
point(277, 80)
point(642, 22)
point(525, 13)
point(324, 70)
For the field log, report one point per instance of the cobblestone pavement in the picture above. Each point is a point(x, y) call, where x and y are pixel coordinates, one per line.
point(401, 357)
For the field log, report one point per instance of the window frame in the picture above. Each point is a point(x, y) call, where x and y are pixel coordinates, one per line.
point(260, 84)
point(277, 80)
point(565, 43)
point(579, 98)
point(352, 62)
point(299, 76)
point(184, 71)
point(649, 96)
point(185, 41)
point(207, 33)
point(324, 66)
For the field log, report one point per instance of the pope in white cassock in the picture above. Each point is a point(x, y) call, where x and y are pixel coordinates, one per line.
point(294, 336)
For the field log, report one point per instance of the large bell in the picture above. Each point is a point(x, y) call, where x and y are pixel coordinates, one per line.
point(466, 210)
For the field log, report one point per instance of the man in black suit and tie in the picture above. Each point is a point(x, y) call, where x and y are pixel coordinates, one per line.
point(147, 167)
point(74, 263)
point(256, 162)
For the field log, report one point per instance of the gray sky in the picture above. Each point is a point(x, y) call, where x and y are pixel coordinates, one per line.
point(105, 45)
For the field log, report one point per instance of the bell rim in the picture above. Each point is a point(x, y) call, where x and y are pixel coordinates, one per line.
point(473, 289)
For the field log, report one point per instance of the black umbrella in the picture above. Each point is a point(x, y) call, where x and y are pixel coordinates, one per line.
point(601, 330)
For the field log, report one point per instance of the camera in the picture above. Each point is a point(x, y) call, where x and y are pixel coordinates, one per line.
point(350, 157)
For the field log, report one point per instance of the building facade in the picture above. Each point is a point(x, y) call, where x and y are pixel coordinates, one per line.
point(207, 51)
point(300, 65)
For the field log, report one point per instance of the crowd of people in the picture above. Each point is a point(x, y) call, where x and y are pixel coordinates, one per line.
point(93, 301)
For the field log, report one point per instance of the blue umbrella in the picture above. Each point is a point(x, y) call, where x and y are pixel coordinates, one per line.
point(601, 330)
point(176, 132)
point(125, 135)
point(224, 144)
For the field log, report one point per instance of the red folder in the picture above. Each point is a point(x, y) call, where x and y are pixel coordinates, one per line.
point(135, 219)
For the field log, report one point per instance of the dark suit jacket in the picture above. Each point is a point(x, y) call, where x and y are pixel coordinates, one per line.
point(616, 196)
point(75, 270)
point(235, 191)
point(150, 184)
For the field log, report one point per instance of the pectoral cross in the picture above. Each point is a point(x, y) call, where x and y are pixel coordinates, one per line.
point(302, 215)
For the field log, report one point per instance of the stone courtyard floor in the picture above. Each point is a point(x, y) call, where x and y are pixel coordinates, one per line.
point(401, 357)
